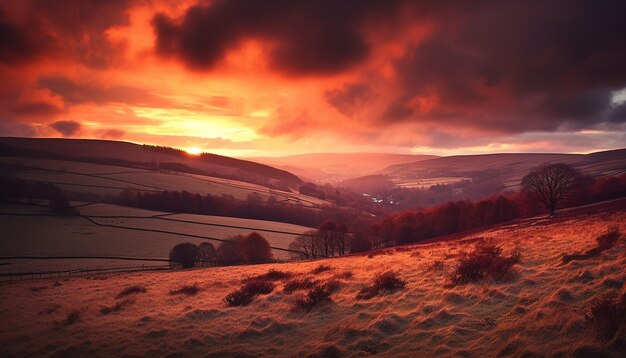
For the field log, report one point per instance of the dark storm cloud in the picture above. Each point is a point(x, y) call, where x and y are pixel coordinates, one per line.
point(307, 37)
point(16, 45)
point(62, 29)
point(66, 128)
point(518, 66)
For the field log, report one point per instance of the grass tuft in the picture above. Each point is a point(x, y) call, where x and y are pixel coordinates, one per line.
point(321, 268)
point(297, 285)
point(131, 290)
point(72, 317)
point(603, 243)
point(105, 310)
point(189, 290)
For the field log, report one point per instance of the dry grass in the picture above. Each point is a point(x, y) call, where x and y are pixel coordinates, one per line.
point(105, 310)
point(131, 290)
point(383, 282)
point(244, 295)
point(608, 316)
point(486, 260)
point(435, 266)
point(189, 290)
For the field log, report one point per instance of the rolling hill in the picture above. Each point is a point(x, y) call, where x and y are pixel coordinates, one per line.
point(336, 167)
point(134, 155)
point(508, 168)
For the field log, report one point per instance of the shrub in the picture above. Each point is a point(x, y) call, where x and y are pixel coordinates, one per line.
point(386, 281)
point(244, 295)
point(189, 290)
point(130, 290)
point(271, 275)
point(486, 260)
point(116, 307)
point(184, 254)
point(302, 284)
point(608, 316)
point(318, 294)
point(321, 268)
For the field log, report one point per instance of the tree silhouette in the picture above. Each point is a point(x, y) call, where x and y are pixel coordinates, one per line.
point(552, 185)
point(184, 254)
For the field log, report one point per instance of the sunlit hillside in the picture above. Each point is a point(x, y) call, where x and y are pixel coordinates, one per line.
point(541, 309)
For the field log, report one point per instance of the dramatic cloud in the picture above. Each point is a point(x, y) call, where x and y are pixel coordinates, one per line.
point(281, 76)
point(304, 37)
point(66, 128)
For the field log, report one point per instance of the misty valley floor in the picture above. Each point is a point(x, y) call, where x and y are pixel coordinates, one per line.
point(540, 313)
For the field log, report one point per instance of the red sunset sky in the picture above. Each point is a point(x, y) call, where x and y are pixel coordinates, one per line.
point(278, 77)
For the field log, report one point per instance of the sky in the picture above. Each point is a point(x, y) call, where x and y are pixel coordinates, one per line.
point(279, 77)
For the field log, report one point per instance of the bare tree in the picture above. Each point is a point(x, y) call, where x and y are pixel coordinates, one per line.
point(552, 184)
point(307, 246)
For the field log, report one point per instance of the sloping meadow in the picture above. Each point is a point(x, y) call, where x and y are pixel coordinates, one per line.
point(412, 304)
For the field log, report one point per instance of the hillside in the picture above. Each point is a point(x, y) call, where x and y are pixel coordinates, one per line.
point(507, 168)
point(540, 311)
point(88, 178)
point(336, 167)
point(129, 154)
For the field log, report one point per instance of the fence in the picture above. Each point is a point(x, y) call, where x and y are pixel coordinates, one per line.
point(50, 274)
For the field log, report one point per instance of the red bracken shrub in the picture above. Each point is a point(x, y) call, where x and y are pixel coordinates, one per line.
point(486, 260)
point(386, 281)
point(319, 294)
point(244, 295)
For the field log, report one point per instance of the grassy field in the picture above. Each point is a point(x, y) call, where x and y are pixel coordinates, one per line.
point(75, 236)
point(107, 179)
point(538, 312)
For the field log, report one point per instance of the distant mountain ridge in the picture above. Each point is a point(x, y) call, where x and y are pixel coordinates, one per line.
point(336, 167)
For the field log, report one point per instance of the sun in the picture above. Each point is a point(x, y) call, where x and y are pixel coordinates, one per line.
point(194, 150)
